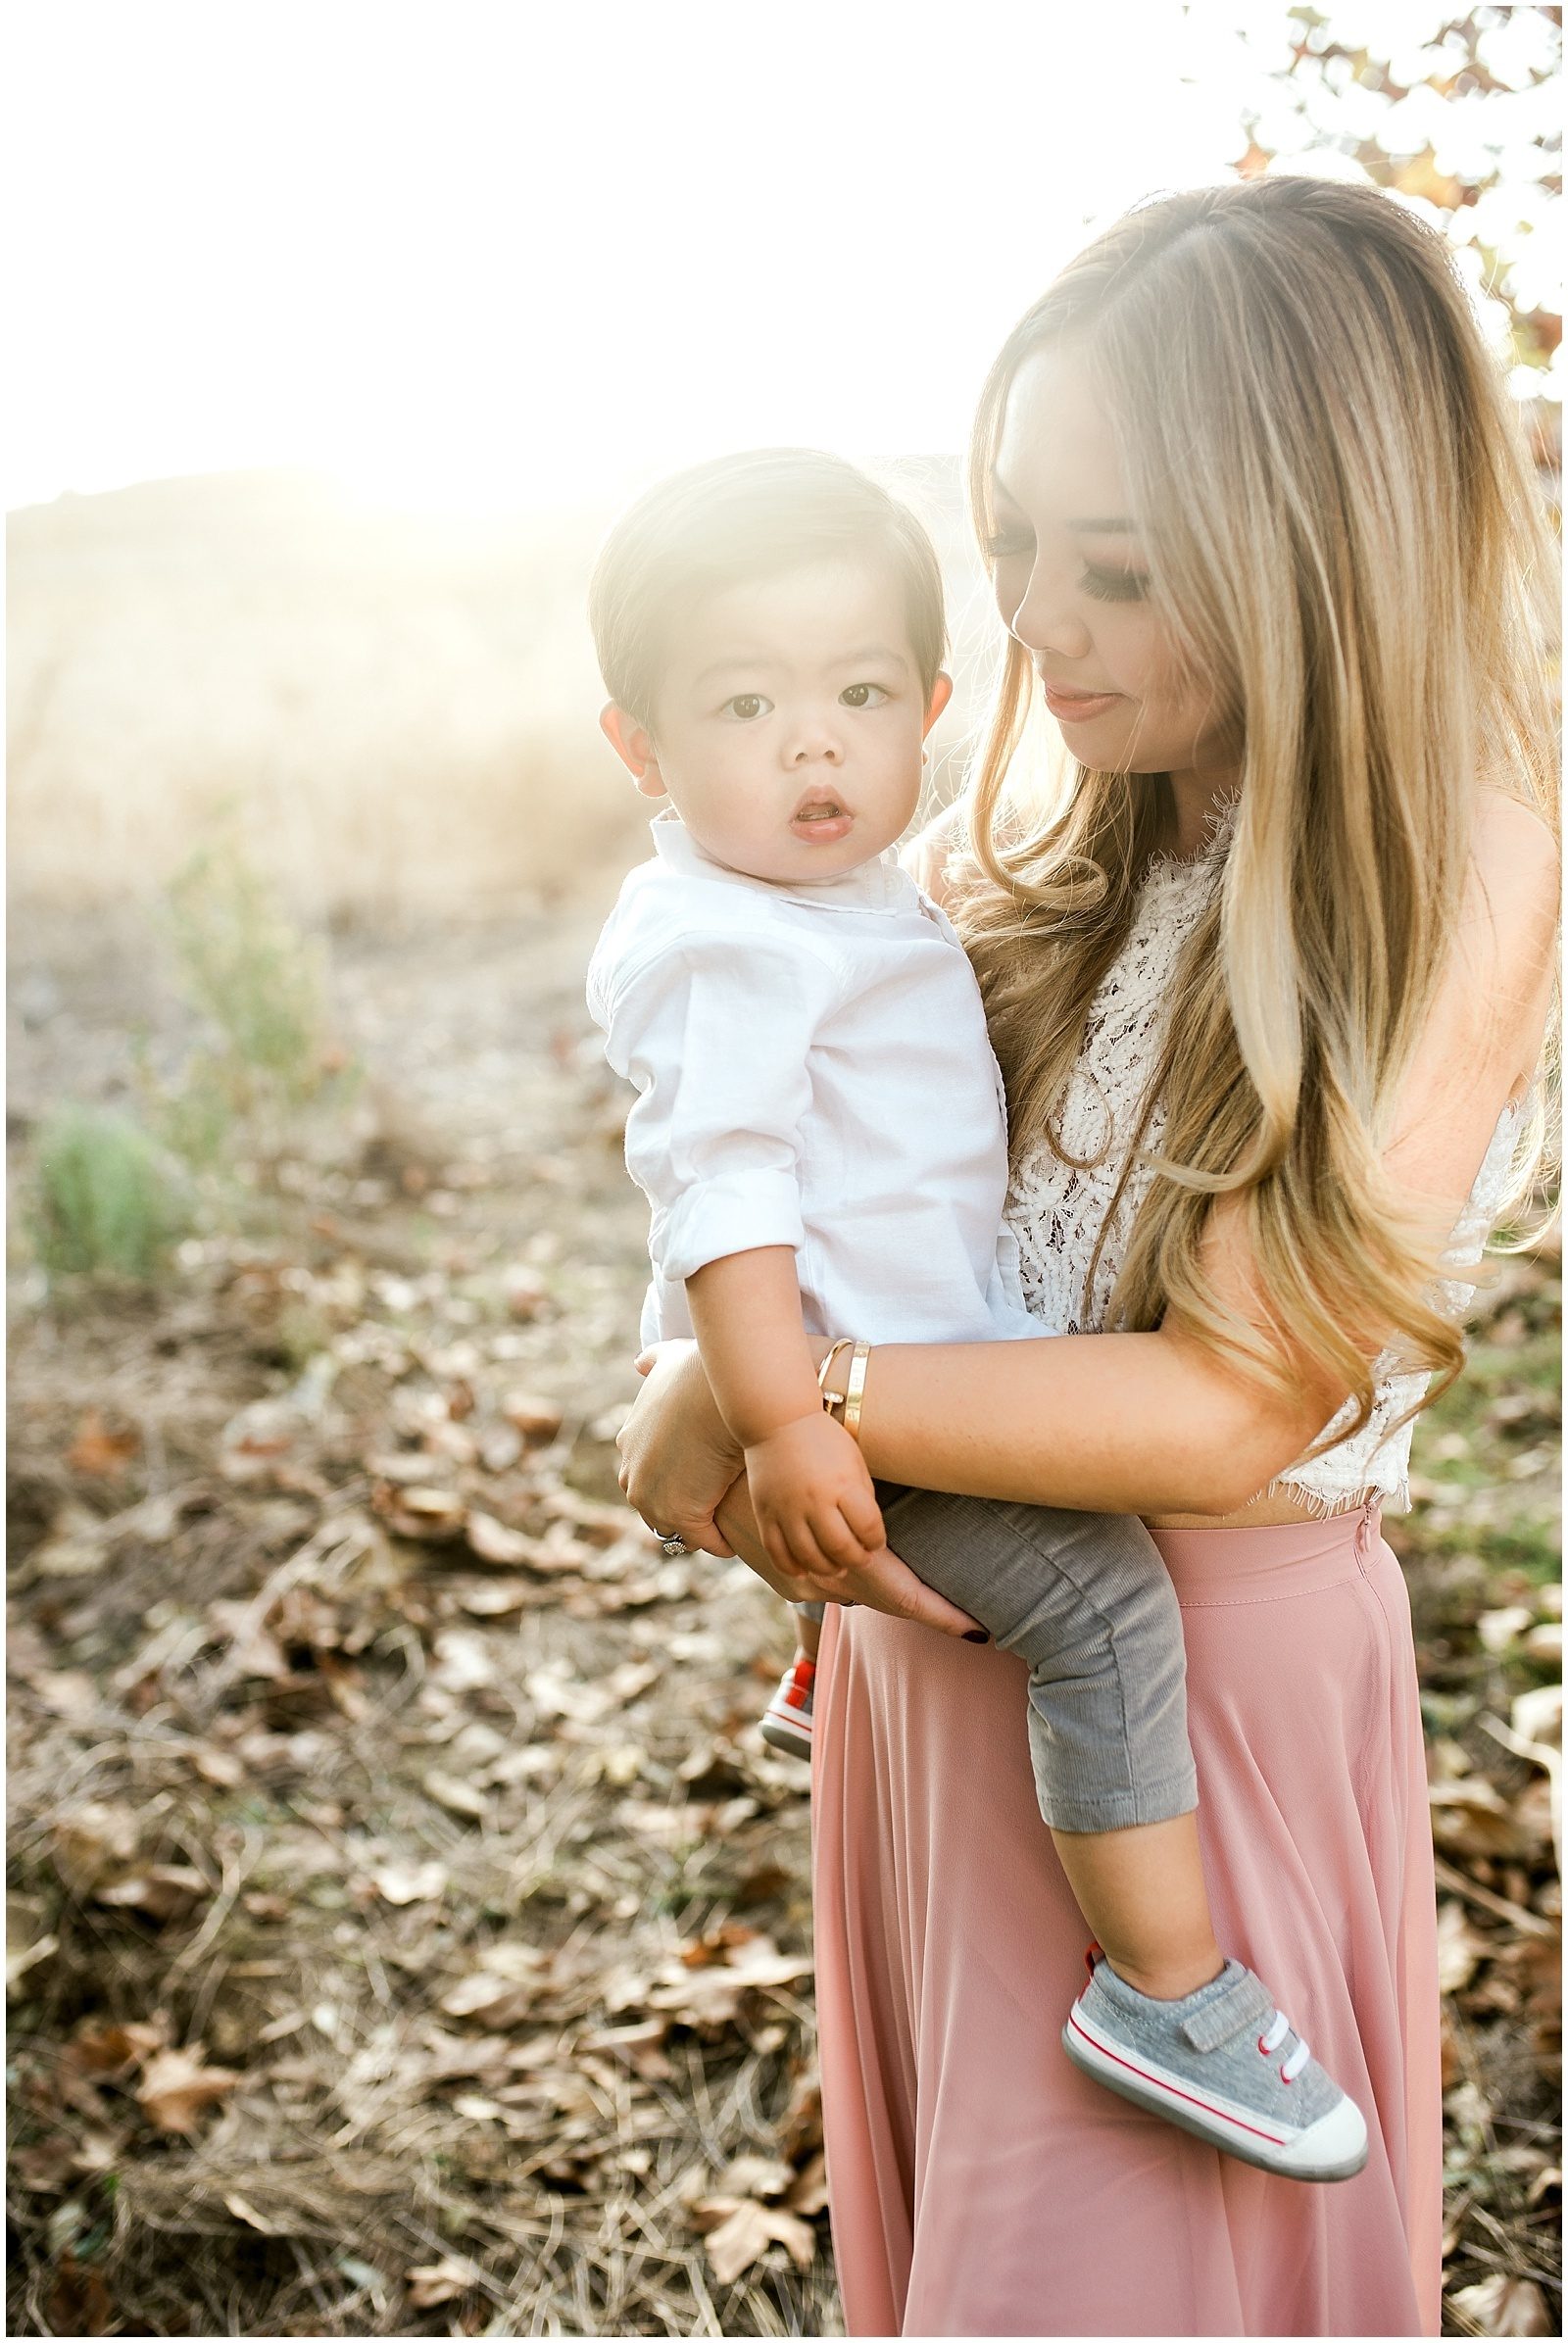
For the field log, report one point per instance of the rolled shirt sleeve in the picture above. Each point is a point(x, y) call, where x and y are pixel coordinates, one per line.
point(716, 1031)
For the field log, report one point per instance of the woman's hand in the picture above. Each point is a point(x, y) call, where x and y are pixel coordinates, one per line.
point(679, 1468)
point(882, 1582)
point(677, 1457)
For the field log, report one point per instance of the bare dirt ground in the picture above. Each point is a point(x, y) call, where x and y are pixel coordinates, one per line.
point(409, 1930)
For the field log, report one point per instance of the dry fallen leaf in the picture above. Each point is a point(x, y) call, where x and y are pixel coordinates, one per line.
point(1496, 1630)
point(556, 1690)
point(809, 2192)
point(752, 2175)
point(500, 1448)
point(91, 1841)
point(435, 2282)
point(746, 2229)
point(503, 1989)
point(178, 2084)
point(639, 2045)
point(457, 1797)
point(98, 1450)
point(430, 1514)
point(1538, 1716)
point(1460, 1948)
point(67, 1692)
point(506, 1594)
point(526, 1291)
point(257, 1441)
point(493, 1541)
point(164, 1890)
point(28, 1941)
point(253, 1650)
point(1504, 2306)
point(80, 2302)
point(411, 1882)
point(464, 1659)
point(244, 2211)
point(535, 1419)
point(76, 1546)
point(1470, 1818)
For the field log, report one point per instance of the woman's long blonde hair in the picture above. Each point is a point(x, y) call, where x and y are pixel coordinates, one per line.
point(1346, 539)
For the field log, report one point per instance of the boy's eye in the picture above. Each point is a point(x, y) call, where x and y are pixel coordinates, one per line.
point(1002, 548)
point(862, 695)
point(747, 706)
point(1114, 585)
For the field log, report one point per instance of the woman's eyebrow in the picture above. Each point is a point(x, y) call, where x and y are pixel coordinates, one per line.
point(1118, 526)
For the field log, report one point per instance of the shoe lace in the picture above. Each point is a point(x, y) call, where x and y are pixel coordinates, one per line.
point(1297, 2059)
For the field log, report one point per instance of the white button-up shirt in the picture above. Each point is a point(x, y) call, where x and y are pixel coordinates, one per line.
point(813, 1069)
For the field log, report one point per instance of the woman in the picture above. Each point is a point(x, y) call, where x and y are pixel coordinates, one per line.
point(1269, 993)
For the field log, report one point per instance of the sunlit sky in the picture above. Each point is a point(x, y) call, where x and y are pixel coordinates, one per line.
point(478, 256)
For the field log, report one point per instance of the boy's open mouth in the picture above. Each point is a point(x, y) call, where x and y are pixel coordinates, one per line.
point(821, 819)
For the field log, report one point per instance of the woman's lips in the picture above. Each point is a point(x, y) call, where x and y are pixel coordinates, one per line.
point(1077, 707)
point(823, 822)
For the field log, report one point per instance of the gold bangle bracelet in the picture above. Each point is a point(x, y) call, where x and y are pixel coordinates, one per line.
point(855, 1389)
point(833, 1401)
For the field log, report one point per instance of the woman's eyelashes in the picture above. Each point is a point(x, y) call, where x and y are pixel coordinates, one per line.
point(748, 708)
point(1101, 584)
point(1114, 585)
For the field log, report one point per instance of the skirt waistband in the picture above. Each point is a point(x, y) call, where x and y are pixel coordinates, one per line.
point(1276, 1560)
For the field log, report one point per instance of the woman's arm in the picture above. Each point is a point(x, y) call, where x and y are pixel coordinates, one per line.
point(680, 1468)
point(1154, 1423)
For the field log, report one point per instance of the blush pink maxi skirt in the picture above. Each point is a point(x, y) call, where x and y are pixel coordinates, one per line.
point(980, 2185)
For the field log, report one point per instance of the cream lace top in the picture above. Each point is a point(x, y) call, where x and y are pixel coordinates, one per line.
point(1055, 1210)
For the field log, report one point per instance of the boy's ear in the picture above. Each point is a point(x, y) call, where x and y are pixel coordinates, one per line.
point(941, 694)
point(634, 746)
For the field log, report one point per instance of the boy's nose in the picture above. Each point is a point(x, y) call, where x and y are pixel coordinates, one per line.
point(815, 744)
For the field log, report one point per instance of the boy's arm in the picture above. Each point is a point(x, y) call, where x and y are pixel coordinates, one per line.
point(746, 1315)
point(809, 1485)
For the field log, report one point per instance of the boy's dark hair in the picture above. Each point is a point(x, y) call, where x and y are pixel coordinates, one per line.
point(740, 518)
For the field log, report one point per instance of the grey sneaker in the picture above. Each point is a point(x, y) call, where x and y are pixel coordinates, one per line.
point(1223, 2063)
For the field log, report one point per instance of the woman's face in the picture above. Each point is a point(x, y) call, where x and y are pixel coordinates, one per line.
point(1071, 580)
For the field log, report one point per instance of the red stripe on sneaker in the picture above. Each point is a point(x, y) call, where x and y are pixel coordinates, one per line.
point(790, 1717)
point(1192, 2098)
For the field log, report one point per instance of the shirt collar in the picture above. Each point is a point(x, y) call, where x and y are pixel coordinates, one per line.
point(879, 886)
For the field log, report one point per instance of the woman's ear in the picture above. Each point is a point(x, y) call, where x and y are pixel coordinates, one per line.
point(941, 694)
point(634, 744)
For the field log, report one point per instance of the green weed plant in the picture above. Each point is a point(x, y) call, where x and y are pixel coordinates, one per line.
point(107, 1200)
point(268, 1066)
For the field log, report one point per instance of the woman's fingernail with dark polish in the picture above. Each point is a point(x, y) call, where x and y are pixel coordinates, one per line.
point(975, 1634)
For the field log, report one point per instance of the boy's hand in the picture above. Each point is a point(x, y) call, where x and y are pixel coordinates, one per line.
point(812, 1497)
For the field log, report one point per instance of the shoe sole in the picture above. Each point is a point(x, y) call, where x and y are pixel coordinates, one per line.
point(787, 1738)
point(1217, 2130)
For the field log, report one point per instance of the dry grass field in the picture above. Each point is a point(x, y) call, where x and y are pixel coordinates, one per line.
point(410, 1931)
point(401, 710)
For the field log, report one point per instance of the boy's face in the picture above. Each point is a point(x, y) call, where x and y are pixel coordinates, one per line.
point(789, 721)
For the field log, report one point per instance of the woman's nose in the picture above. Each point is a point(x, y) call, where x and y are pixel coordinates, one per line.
point(1046, 620)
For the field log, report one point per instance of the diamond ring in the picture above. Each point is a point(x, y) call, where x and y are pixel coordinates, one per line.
point(672, 1542)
